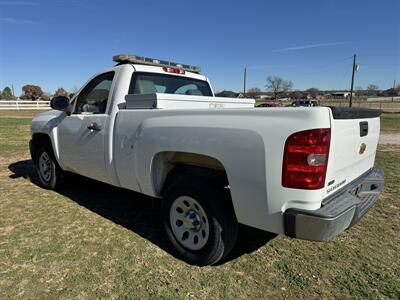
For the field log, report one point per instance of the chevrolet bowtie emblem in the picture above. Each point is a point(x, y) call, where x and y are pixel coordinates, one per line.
point(362, 148)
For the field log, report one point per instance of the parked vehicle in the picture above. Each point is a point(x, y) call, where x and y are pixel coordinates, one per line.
point(307, 103)
point(155, 127)
point(268, 105)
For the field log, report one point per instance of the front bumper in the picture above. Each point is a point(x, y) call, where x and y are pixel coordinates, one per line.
point(338, 212)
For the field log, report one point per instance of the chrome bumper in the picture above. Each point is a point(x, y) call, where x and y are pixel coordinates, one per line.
point(338, 212)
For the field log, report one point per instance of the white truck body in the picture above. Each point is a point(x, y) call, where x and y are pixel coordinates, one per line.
point(142, 137)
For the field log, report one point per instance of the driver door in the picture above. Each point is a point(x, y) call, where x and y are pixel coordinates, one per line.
point(82, 136)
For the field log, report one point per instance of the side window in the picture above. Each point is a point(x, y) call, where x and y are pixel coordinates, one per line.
point(93, 98)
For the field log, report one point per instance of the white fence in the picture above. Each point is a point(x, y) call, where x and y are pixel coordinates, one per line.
point(24, 104)
point(383, 99)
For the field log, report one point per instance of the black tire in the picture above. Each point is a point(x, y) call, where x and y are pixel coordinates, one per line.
point(222, 223)
point(54, 178)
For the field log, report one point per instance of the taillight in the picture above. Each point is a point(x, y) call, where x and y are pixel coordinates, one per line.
point(305, 159)
point(173, 70)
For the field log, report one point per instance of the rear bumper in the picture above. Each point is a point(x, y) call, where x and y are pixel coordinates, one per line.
point(338, 212)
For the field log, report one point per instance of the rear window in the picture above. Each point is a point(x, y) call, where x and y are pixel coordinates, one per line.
point(148, 83)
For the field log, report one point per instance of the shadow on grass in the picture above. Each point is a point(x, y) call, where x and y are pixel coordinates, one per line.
point(132, 210)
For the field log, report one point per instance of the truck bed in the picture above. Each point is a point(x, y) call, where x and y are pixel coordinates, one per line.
point(249, 143)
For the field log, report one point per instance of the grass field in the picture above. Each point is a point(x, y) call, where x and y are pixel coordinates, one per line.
point(91, 240)
point(390, 123)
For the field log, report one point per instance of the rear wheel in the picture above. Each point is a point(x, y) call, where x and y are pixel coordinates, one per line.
point(199, 220)
point(189, 223)
point(48, 171)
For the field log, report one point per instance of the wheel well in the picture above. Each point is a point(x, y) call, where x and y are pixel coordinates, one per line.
point(167, 166)
point(37, 140)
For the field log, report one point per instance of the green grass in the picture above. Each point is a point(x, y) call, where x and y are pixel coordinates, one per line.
point(390, 123)
point(91, 240)
point(14, 134)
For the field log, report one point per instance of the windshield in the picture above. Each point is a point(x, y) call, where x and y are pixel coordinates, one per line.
point(147, 83)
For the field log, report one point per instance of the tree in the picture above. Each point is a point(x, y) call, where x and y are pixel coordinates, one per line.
point(313, 92)
point(6, 94)
point(297, 95)
point(372, 89)
point(61, 92)
point(75, 89)
point(45, 97)
point(228, 94)
point(32, 92)
point(392, 92)
point(253, 92)
point(278, 85)
point(397, 90)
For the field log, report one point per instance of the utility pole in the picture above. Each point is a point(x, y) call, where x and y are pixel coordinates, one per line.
point(394, 89)
point(352, 81)
point(12, 89)
point(244, 82)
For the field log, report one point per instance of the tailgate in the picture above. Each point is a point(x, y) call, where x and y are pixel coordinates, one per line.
point(354, 139)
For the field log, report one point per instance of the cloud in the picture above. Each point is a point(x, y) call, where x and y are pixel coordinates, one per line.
point(16, 3)
point(16, 21)
point(309, 46)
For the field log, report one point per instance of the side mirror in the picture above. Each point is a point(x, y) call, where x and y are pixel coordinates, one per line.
point(60, 103)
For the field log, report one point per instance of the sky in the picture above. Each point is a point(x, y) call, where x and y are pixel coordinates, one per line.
point(61, 43)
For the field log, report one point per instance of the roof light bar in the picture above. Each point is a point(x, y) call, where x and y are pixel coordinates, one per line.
point(136, 59)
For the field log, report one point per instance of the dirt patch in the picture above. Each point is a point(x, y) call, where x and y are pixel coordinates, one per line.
point(389, 139)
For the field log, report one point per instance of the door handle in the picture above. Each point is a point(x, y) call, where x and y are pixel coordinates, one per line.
point(94, 127)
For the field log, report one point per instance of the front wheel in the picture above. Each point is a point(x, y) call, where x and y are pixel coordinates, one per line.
point(48, 171)
point(199, 220)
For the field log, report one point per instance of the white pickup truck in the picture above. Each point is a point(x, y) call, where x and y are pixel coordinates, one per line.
point(155, 127)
